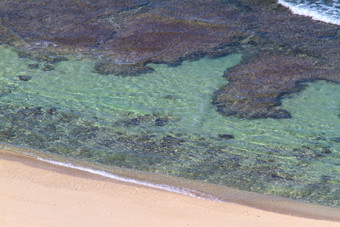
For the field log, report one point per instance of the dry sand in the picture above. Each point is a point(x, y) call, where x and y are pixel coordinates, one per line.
point(33, 193)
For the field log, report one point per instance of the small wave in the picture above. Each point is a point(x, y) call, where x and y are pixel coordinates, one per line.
point(165, 187)
point(317, 11)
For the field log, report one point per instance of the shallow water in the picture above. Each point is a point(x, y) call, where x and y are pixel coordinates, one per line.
point(164, 122)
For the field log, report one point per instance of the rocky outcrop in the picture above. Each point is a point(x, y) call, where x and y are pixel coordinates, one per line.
point(123, 35)
point(256, 87)
point(283, 52)
point(280, 49)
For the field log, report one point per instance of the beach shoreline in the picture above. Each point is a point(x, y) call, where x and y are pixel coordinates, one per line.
point(36, 193)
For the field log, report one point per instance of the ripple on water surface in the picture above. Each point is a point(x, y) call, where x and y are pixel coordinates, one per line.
point(164, 122)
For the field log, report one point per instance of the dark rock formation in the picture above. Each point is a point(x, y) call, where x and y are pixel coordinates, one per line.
point(121, 69)
point(125, 34)
point(145, 120)
point(280, 49)
point(24, 78)
point(33, 66)
point(284, 51)
point(226, 136)
point(336, 139)
point(255, 87)
point(47, 67)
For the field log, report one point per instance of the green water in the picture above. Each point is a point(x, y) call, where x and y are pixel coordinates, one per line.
point(164, 122)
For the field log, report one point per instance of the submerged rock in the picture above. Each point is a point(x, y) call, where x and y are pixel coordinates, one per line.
point(33, 66)
point(24, 78)
point(121, 70)
point(47, 67)
point(226, 136)
point(161, 121)
point(145, 120)
point(47, 57)
point(336, 139)
point(6, 134)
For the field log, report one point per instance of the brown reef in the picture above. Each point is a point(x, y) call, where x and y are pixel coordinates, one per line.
point(123, 35)
point(280, 49)
point(255, 88)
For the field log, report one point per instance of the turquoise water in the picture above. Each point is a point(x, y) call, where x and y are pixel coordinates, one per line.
point(164, 122)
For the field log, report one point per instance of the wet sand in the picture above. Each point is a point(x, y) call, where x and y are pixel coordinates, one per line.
point(35, 193)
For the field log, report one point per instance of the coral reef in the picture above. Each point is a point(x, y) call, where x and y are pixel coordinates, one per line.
point(280, 49)
point(124, 35)
point(256, 87)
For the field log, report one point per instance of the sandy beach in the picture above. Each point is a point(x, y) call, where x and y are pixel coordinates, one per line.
point(34, 193)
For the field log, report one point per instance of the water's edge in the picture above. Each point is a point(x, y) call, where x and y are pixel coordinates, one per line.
point(305, 10)
point(186, 187)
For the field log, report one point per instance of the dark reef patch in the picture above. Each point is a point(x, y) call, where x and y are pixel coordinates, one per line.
point(174, 153)
point(24, 78)
point(256, 87)
point(107, 68)
point(280, 49)
point(226, 136)
point(33, 66)
point(336, 139)
point(47, 67)
point(125, 34)
point(146, 120)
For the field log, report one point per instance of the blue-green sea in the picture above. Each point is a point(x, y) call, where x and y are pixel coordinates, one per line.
point(163, 122)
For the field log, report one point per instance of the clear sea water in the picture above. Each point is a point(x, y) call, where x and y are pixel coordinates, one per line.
point(164, 123)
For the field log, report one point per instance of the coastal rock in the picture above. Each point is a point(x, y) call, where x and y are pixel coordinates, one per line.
point(125, 35)
point(154, 38)
point(256, 87)
point(161, 39)
point(278, 59)
point(77, 23)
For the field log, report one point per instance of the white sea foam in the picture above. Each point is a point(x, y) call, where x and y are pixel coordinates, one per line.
point(169, 188)
point(320, 12)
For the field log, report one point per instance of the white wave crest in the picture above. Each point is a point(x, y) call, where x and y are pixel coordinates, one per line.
point(169, 188)
point(316, 12)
